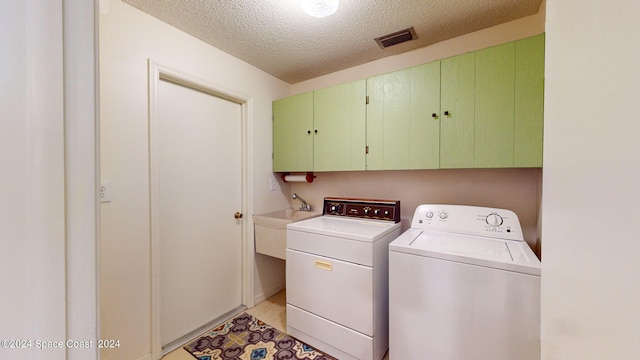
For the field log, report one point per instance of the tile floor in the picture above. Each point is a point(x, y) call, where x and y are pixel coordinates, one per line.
point(272, 311)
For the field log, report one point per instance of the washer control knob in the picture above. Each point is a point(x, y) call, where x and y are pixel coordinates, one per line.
point(335, 208)
point(443, 215)
point(494, 219)
point(376, 212)
point(429, 214)
point(367, 210)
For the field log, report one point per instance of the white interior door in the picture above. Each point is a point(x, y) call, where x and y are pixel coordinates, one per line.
point(198, 178)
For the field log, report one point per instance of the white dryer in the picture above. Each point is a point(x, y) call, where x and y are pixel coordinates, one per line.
point(463, 284)
point(337, 277)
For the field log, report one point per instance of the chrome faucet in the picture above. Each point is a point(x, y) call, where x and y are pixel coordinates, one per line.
point(304, 206)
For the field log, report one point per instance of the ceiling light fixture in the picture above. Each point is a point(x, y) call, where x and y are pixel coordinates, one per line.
point(319, 8)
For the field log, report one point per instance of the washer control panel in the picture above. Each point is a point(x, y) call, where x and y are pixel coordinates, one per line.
point(470, 220)
point(388, 210)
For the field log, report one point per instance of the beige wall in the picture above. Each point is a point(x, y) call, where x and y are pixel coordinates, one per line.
point(590, 215)
point(514, 189)
point(128, 38)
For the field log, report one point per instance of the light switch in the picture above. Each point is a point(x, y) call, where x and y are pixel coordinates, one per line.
point(105, 191)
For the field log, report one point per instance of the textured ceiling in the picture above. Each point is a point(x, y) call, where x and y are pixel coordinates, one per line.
point(279, 38)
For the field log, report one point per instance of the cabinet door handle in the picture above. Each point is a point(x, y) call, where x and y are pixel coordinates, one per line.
point(315, 131)
point(434, 116)
point(308, 131)
point(446, 113)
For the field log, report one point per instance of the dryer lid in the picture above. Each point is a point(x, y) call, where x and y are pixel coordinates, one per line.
point(347, 228)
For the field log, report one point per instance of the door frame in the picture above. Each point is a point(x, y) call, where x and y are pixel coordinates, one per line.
point(157, 73)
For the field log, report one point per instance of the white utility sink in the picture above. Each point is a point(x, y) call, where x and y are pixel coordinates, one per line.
point(271, 230)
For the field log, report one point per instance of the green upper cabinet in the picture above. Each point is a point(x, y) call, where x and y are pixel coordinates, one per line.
point(322, 130)
point(293, 133)
point(494, 106)
point(457, 111)
point(339, 127)
point(529, 102)
point(510, 104)
point(403, 130)
point(482, 109)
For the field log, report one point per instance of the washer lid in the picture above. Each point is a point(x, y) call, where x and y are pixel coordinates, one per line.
point(348, 228)
point(474, 250)
point(482, 248)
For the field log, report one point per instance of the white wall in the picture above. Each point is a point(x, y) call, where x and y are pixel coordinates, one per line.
point(590, 273)
point(128, 37)
point(81, 169)
point(32, 229)
point(33, 226)
point(47, 198)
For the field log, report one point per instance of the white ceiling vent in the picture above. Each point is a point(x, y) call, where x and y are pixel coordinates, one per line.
point(396, 38)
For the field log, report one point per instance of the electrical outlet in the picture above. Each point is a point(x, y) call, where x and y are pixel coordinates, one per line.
point(273, 184)
point(105, 191)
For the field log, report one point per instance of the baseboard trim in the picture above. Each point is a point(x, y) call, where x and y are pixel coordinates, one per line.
point(146, 357)
point(183, 340)
point(269, 293)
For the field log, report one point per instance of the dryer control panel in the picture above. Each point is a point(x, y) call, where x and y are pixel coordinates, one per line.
point(387, 210)
point(469, 220)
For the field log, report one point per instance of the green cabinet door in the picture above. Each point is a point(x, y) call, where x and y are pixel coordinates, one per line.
point(396, 128)
point(339, 127)
point(495, 74)
point(401, 131)
point(375, 123)
point(529, 102)
point(293, 133)
point(458, 102)
point(424, 131)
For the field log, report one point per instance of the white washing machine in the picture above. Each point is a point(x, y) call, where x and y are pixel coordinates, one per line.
point(337, 277)
point(463, 284)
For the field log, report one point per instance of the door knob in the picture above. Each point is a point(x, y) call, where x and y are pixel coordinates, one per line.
point(237, 215)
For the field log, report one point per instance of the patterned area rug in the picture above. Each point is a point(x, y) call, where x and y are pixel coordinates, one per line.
point(247, 338)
